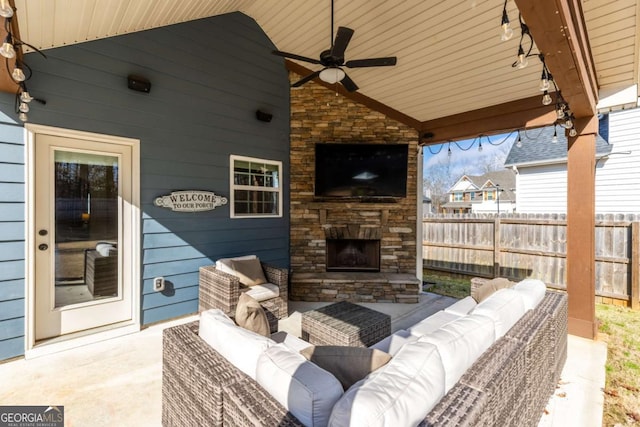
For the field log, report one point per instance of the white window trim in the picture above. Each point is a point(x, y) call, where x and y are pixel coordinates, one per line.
point(233, 186)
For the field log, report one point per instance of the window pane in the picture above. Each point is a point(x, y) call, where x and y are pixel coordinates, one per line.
point(255, 202)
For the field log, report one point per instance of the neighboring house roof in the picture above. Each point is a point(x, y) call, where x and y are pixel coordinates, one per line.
point(505, 178)
point(457, 205)
point(537, 148)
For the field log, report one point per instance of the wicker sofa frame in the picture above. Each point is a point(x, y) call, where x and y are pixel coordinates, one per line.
point(222, 290)
point(509, 384)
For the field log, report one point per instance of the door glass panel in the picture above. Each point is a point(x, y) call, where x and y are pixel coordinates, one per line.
point(86, 227)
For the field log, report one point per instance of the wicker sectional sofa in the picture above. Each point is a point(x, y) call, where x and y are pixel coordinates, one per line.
point(508, 384)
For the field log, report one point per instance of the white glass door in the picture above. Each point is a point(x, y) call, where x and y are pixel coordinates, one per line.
point(82, 235)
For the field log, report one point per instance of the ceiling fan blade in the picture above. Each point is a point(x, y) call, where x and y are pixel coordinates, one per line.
point(349, 84)
point(294, 56)
point(343, 37)
point(306, 79)
point(372, 62)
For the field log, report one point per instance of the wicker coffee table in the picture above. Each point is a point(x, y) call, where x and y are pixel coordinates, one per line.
point(344, 323)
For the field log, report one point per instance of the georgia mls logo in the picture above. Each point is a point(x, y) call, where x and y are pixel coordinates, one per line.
point(31, 416)
point(190, 201)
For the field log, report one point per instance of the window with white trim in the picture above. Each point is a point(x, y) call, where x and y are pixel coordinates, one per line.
point(256, 190)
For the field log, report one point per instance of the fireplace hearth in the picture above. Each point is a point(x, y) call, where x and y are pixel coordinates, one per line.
point(353, 255)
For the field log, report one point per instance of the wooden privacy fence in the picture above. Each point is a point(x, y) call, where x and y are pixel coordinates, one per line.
point(518, 246)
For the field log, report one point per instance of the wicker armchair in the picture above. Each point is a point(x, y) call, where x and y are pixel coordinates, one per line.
point(222, 290)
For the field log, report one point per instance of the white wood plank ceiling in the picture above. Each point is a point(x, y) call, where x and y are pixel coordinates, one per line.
point(450, 57)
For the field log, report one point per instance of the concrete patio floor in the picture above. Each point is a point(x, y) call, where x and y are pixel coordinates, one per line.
point(118, 382)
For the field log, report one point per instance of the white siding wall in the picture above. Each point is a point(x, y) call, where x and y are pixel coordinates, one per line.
point(618, 177)
point(543, 189)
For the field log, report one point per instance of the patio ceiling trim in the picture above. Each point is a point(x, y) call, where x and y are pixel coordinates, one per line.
point(560, 34)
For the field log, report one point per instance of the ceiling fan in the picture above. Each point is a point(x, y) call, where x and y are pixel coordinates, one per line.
point(332, 60)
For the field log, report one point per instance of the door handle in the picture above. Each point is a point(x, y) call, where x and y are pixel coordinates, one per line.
point(43, 246)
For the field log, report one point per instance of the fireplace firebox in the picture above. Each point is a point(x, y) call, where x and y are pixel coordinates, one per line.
point(353, 255)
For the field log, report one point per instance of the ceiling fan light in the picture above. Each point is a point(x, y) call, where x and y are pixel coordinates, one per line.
point(7, 50)
point(332, 75)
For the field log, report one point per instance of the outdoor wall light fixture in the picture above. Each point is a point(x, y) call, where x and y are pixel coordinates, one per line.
point(11, 48)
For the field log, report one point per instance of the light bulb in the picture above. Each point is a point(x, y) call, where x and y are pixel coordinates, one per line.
point(519, 143)
point(23, 117)
point(506, 32)
point(18, 74)
point(521, 62)
point(573, 132)
point(6, 11)
point(25, 97)
point(7, 50)
point(480, 147)
point(332, 75)
point(568, 124)
point(546, 98)
point(544, 84)
point(24, 107)
point(560, 113)
point(449, 152)
point(554, 140)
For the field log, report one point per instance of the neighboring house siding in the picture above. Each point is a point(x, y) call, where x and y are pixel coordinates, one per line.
point(618, 177)
point(208, 78)
point(12, 240)
point(542, 189)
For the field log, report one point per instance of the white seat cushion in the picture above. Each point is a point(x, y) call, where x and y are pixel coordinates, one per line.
point(264, 291)
point(460, 343)
point(400, 393)
point(532, 292)
point(462, 307)
point(432, 323)
point(394, 342)
point(505, 307)
point(303, 388)
point(294, 343)
point(225, 265)
point(239, 346)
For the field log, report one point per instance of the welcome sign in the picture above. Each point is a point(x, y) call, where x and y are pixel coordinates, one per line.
point(190, 201)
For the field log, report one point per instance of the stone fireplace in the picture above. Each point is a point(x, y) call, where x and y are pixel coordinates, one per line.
point(346, 248)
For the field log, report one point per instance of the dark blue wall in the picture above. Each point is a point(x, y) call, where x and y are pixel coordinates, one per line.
point(208, 78)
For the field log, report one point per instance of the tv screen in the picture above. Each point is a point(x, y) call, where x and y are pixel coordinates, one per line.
point(361, 170)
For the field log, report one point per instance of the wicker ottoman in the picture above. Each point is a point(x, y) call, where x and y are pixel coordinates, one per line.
point(345, 324)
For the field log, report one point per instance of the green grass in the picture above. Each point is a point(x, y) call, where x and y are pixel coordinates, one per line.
point(619, 326)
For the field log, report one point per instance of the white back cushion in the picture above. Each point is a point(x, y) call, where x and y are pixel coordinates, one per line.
point(224, 264)
point(462, 307)
point(239, 346)
point(433, 322)
point(532, 292)
point(306, 390)
point(460, 343)
point(400, 393)
point(393, 343)
point(505, 307)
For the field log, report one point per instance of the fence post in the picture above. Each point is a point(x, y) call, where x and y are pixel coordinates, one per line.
point(496, 247)
point(634, 297)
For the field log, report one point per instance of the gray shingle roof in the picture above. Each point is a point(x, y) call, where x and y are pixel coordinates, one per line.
point(537, 147)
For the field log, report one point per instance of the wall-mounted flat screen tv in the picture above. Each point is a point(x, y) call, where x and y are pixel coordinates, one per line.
point(361, 170)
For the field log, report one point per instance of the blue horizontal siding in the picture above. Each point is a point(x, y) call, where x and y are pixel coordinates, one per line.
point(11, 211)
point(159, 299)
point(10, 231)
point(174, 267)
point(10, 172)
point(12, 192)
point(10, 270)
point(12, 250)
point(11, 309)
point(12, 153)
point(12, 289)
point(11, 348)
point(11, 328)
point(177, 281)
point(169, 311)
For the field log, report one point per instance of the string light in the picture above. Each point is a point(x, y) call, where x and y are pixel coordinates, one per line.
point(554, 140)
point(506, 33)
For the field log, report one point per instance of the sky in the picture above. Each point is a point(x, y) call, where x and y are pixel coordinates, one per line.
point(465, 157)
